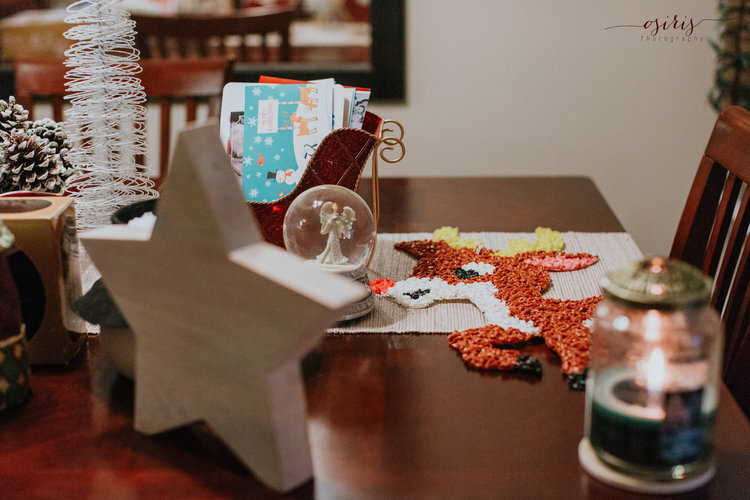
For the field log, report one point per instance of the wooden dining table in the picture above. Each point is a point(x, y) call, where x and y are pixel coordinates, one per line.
point(389, 415)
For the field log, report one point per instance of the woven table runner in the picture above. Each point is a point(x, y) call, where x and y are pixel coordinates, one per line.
point(613, 249)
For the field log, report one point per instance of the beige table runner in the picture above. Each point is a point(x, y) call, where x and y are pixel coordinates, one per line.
point(613, 249)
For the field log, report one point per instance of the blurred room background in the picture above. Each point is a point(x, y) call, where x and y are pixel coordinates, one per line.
point(502, 87)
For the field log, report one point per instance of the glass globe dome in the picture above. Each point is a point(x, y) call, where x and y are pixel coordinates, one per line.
point(331, 226)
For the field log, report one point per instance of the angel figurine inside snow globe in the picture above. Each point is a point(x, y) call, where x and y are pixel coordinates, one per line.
point(333, 228)
point(336, 226)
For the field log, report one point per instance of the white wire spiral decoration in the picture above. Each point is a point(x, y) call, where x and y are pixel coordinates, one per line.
point(107, 117)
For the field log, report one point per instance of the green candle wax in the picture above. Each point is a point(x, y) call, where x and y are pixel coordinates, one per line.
point(625, 430)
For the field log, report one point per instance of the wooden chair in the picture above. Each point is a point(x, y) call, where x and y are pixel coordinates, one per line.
point(202, 36)
point(713, 235)
point(167, 82)
point(10, 7)
point(40, 79)
point(188, 81)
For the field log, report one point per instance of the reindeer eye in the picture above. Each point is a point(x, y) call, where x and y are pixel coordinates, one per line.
point(417, 293)
point(473, 270)
point(464, 274)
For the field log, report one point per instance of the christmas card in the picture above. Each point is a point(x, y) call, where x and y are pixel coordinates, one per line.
point(355, 101)
point(359, 106)
point(274, 136)
point(270, 158)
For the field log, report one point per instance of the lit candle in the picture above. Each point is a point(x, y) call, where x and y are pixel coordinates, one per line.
point(651, 391)
point(659, 423)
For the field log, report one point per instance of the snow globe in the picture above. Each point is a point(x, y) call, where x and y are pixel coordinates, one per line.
point(332, 228)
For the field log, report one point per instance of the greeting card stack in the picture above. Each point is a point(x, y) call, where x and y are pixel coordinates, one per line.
point(272, 129)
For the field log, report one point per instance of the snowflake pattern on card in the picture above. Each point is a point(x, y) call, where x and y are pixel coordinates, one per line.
point(283, 126)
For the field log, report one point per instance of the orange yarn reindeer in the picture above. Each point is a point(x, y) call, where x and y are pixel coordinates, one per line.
point(508, 290)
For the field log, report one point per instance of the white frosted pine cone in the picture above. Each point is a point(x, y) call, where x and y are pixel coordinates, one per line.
point(30, 164)
point(54, 132)
point(12, 116)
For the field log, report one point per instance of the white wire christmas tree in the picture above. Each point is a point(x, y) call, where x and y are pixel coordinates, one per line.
point(107, 116)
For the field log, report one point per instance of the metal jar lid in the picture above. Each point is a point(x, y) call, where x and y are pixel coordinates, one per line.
point(658, 283)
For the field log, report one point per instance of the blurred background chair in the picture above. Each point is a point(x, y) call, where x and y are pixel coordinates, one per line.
point(192, 82)
point(713, 235)
point(40, 80)
point(8, 7)
point(178, 92)
point(243, 34)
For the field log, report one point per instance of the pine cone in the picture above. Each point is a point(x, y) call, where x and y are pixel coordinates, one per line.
point(12, 116)
point(30, 164)
point(54, 132)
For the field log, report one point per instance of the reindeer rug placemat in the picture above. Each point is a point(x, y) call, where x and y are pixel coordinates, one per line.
point(447, 316)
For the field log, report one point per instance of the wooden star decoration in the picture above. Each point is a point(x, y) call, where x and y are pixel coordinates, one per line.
point(221, 318)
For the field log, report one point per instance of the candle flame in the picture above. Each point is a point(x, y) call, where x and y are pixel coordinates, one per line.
point(655, 371)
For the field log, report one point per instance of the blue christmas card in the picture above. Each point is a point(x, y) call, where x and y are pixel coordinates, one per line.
point(277, 132)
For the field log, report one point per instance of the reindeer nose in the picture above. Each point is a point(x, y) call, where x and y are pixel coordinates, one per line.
point(381, 285)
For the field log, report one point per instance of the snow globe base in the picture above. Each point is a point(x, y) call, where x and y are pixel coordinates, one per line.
point(364, 306)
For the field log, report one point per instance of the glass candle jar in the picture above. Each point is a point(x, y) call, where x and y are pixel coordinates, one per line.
point(652, 386)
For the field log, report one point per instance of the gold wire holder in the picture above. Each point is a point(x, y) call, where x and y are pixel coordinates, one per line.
point(386, 147)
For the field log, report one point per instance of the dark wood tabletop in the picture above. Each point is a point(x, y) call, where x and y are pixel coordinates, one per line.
point(390, 416)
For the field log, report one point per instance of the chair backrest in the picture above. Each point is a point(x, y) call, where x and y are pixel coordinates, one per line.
point(190, 81)
point(40, 78)
point(203, 36)
point(10, 7)
point(168, 82)
point(713, 235)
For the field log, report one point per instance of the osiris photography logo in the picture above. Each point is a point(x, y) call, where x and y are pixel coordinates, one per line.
point(671, 29)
